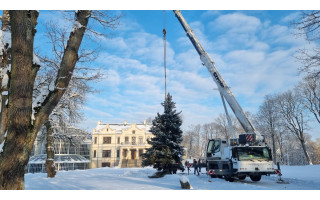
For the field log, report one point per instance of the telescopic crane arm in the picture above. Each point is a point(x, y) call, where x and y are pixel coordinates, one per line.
point(217, 78)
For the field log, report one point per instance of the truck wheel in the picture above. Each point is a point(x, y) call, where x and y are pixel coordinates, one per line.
point(229, 178)
point(255, 177)
point(242, 177)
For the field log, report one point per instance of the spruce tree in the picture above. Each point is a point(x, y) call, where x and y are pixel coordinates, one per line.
point(165, 149)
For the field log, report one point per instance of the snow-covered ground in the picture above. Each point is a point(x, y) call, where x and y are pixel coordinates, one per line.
point(299, 178)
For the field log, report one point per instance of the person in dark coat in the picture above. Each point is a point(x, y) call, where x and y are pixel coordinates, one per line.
point(195, 165)
point(175, 168)
point(199, 164)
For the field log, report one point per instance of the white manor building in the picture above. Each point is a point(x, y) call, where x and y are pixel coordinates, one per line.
point(119, 144)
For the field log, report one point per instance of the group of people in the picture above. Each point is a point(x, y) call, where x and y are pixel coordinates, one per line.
point(196, 165)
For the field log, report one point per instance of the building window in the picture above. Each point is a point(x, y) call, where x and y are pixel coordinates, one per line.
point(94, 153)
point(95, 140)
point(118, 140)
point(105, 164)
point(140, 152)
point(133, 132)
point(126, 140)
point(106, 153)
point(106, 140)
point(118, 153)
point(133, 140)
point(133, 154)
point(140, 141)
point(125, 153)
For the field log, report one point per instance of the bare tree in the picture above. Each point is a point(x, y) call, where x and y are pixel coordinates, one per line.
point(268, 121)
point(308, 26)
point(315, 152)
point(209, 131)
point(309, 91)
point(293, 114)
point(25, 117)
point(222, 126)
point(191, 140)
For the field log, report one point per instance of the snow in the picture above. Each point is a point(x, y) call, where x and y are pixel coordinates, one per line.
point(5, 38)
point(62, 158)
point(36, 59)
point(120, 127)
point(52, 86)
point(184, 179)
point(5, 80)
point(76, 25)
point(1, 146)
point(38, 100)
point(299, 177)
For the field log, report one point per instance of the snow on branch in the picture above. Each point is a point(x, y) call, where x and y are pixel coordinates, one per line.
point(5, 40)
point(76, 26)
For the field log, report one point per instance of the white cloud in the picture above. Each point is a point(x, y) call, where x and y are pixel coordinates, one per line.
point(211, 13)
point(128, 24)
point(116, 62)
point(249, 57)
point(111, 78)
point(236, 22)
point(115, 43)
point(290, 18)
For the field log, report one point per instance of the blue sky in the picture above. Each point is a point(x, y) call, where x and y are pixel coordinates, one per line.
point(253, 50)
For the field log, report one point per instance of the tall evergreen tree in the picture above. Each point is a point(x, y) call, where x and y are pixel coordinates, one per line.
point(166, 149)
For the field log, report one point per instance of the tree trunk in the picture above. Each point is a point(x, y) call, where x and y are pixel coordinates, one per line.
point(305, 152)
point(18, 144)
point(3, 117)
point(21, 130)
point(274, 148)
point(50, 167)
point(4, 61)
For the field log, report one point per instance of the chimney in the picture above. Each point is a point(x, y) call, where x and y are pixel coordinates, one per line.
point(144, 122)
point(99, 122)
point(125, 122)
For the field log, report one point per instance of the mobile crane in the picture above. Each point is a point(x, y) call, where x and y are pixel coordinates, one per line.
point(245, 156)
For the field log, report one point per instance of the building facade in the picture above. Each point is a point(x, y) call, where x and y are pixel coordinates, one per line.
point(119, 145)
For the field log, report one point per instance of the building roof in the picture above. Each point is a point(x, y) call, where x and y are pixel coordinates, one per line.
point(61, 158)
point(123, 126)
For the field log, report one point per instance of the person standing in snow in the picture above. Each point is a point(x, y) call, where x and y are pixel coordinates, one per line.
point(195, 165)
point(199, 164)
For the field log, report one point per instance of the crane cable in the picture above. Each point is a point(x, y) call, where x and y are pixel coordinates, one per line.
point(164, 31)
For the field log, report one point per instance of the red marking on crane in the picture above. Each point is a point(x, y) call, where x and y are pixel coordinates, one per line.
point(277, 171)
point(249, 137)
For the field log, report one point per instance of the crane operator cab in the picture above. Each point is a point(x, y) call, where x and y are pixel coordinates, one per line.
point(215, 149)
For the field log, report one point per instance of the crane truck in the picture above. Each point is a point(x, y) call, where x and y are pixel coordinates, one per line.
point(247, 155)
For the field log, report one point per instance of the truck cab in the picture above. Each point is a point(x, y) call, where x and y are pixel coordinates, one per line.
point(238, 161)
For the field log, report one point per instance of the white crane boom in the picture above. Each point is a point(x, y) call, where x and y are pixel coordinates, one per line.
point(222, 86)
